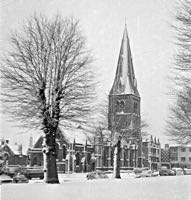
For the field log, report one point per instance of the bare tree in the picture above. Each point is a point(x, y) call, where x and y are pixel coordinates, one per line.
point(178, 122)
point(144, 127)
point(182, 30)
point(47, 80)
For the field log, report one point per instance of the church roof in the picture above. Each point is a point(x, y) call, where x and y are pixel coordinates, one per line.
point(79, 135)
point(125, 81)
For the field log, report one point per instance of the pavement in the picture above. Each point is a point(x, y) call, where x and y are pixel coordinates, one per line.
point(75, 186)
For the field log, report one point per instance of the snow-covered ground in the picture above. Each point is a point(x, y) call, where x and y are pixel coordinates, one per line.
point(76, 187)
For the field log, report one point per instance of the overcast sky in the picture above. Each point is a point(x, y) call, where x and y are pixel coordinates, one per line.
point(103, 22)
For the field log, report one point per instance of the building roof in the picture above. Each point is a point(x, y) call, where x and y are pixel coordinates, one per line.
point(79, 135)
point(150, 138)
point(125, 81)
point(13, 148)
point(179, 145)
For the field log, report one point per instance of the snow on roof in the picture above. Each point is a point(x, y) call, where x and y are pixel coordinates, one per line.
point(20, 141)
point(16, 148)
point(79, 135)
point(179, 145)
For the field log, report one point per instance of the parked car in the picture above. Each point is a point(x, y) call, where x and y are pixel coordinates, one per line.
point(5, 179)
point(144, 173)
point(96, 175)
point(139, 170)
point(155, 173)
point(178, 171)
point(20, 178)
point(187, 171)
point(33, 172)
point(11, 170)
point(166, 172)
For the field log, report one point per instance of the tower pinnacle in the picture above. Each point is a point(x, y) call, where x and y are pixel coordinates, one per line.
point(125, 81)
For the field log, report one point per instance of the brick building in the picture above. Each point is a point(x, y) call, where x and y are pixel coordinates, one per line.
point(151, 149)
point(180, 156)
point(73, 155)
point(176, 156)
point(11, 154)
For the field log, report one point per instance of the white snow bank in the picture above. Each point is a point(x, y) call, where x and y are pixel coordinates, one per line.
point(158, 188)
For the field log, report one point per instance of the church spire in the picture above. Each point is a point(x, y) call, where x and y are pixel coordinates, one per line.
point(125, 82)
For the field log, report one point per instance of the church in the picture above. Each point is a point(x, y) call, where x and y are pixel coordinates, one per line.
point(81, 155)
point(124, 104)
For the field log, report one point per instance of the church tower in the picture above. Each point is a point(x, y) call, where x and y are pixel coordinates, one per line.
point(124, 104)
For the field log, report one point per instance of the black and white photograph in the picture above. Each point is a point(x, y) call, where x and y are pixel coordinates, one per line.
point(95, 99)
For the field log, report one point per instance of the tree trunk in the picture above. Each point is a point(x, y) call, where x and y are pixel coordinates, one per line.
point(49, 152)
point(116, 165)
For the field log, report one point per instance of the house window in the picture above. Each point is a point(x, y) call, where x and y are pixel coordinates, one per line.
point(183, 149)
point(183, 159)
point(173, 158)
point(174, 149)
point(190, 149)
point(189, 159)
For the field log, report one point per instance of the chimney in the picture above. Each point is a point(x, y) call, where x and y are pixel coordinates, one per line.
point(20, 147)
point(166, 146)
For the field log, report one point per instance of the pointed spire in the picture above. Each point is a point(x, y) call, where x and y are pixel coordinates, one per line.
point(155, 140)
point(125, 82)
point(30, 141)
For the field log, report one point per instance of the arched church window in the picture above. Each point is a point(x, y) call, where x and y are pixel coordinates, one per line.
point(57, 150)
point(112, 156)
point(77, 158)
point(135, 107)
point(64, 151)
point(117, 106)
point(134, 134)
point(122, 105)
point(34, 162)
point(104, 157)
point(88, 158)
